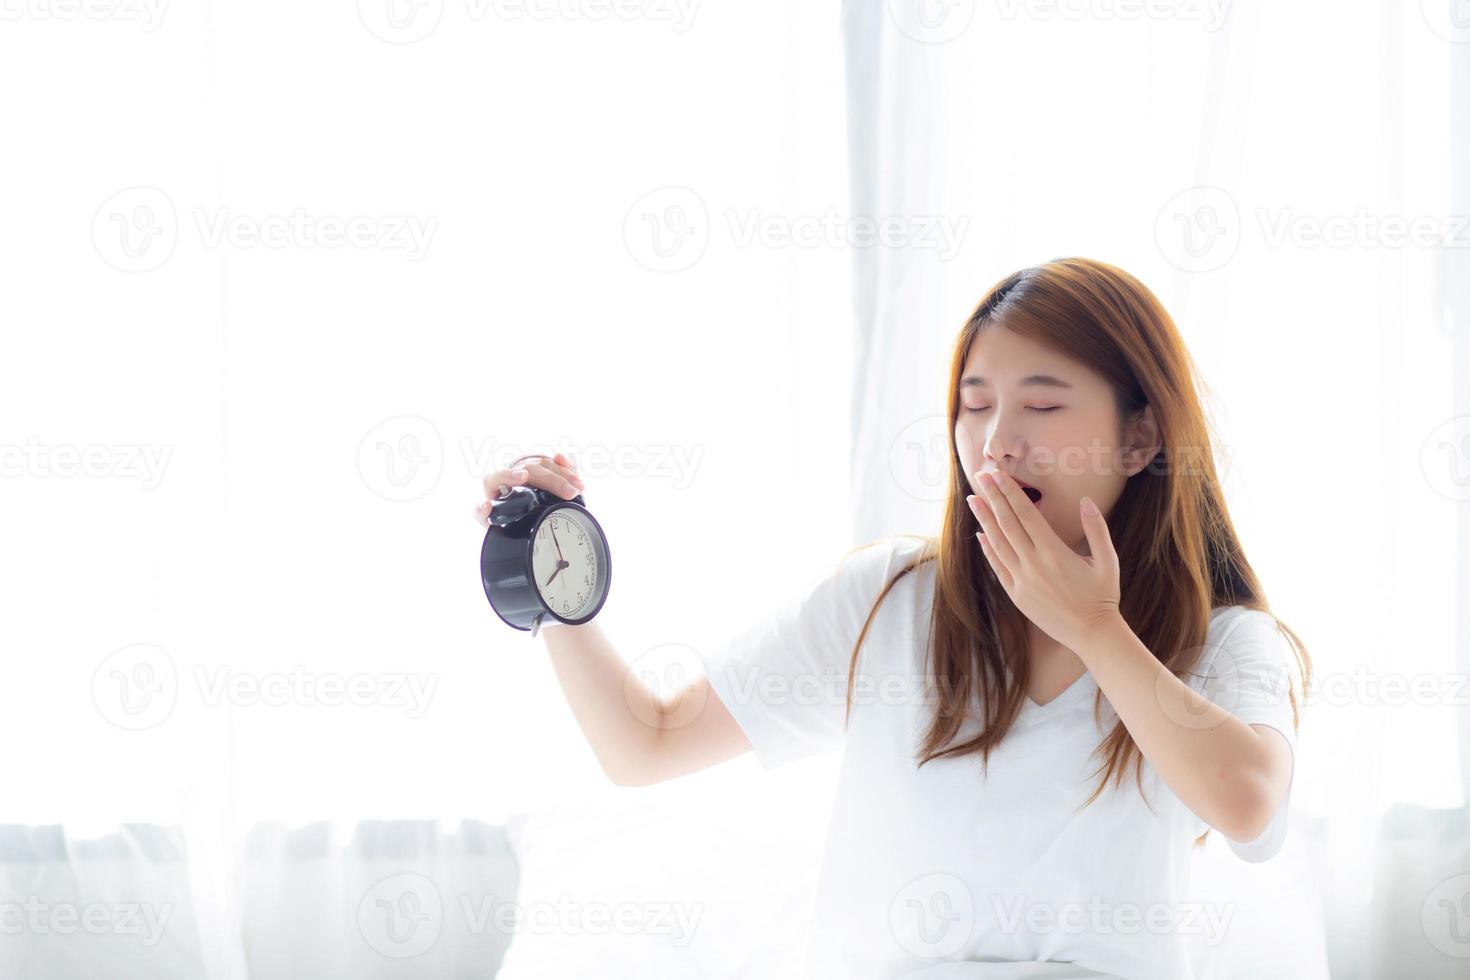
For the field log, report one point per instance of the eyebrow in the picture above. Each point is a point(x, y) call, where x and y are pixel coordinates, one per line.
point(1042, 380)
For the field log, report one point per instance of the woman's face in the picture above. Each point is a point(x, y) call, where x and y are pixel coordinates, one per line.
point(1050, 422)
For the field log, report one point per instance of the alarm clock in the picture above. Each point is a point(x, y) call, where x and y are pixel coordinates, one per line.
point(544, 558)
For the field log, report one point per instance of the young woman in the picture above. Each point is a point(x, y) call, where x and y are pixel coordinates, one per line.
point(1086, 613)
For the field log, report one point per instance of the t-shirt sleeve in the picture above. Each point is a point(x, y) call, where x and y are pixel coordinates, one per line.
point(1249, 672)
point(784, 676)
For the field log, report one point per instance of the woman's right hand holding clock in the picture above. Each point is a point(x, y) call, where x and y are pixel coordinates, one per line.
point(557, 474)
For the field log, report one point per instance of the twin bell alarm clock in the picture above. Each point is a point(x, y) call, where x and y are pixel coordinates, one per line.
point(544, 559)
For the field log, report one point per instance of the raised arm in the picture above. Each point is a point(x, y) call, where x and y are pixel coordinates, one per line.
point(638, 738)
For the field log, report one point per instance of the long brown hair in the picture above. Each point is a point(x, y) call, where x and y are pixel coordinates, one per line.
point(1178, 552)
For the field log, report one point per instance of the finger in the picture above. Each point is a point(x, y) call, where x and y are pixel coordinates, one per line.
point(504, 478)
point(1005, 517)
point(549, 475)
point(562, 467)
point(569, 465)
point(552, 476)
point(1009, 559)
point(1099, 538)
point(1038, 531)
point(482, 513)
point(995, 563)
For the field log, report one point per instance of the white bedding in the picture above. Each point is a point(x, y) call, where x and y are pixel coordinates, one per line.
point(1006, 971)
point(735, 855)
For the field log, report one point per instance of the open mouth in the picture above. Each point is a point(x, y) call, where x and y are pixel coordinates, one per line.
point(1031, 492)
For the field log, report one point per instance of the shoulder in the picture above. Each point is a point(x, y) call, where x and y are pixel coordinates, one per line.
point(1247, 658)
point(1242, 631)
point(850, 585)
point(868, 568)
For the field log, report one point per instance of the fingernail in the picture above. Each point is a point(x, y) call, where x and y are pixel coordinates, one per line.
point(518, 474)
point(1088, 507)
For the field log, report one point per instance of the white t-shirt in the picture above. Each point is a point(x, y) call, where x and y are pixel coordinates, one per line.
point(929, 865)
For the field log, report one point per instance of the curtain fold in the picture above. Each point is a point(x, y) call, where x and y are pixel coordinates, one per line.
point(1454, 285)
point(897, 171)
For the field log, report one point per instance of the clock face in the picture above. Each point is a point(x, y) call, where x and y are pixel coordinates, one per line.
point(569, 561)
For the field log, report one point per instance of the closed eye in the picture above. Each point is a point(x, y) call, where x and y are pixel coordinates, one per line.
point(1034, 408)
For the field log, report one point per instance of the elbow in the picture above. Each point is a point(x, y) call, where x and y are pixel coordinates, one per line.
point(637, 778)
point(619, 777)
point(634, 768)
point(1246, 810)
point(623, 775)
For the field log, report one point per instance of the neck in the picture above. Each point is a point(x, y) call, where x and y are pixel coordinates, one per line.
point(1040, 642)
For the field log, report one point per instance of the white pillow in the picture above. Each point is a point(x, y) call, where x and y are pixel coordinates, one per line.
point(705, 877)
point(119, 906)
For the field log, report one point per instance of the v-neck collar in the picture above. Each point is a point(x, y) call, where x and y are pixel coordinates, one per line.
point(1031, 712)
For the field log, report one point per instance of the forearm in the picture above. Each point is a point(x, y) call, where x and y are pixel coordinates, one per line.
point(1215, 763)
point(618, 714)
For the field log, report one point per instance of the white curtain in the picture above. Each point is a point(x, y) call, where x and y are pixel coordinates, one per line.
point(1281, 176)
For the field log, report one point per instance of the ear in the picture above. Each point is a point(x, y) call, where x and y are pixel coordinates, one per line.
point(1141, 441)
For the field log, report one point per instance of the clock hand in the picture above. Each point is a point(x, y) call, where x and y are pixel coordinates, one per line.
point(559, 555)
point(559, 566)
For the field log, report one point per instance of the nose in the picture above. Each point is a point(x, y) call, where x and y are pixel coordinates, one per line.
point(1004, 441)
